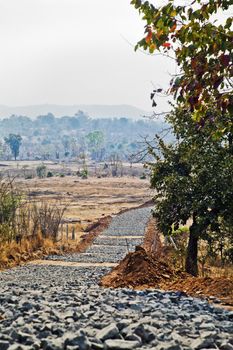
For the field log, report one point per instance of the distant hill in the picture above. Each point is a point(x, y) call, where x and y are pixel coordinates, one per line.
point(95, 111)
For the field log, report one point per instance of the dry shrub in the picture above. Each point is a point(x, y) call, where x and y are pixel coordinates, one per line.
point(25, 226)
point(48, 218)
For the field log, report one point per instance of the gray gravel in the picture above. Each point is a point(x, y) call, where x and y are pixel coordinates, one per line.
point(117, 242)
point(58, 307)
point(108, 249)
point(131, 223)
point(63, 308)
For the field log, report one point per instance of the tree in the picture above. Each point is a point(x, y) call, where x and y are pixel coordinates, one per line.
point(1, 149)
point(48, 119)
point(66, 144)
point(14, 141)
point(95, 142)
point(193, 178)
point(203, 50)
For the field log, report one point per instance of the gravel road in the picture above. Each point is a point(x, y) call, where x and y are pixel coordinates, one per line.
point(62, 307)
point(105, 248)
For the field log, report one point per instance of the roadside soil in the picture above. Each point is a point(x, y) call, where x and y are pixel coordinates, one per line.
point(150, 267)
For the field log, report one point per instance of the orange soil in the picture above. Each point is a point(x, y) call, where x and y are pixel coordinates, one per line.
point(140, 269)
point(152, 267)
point(221, 288)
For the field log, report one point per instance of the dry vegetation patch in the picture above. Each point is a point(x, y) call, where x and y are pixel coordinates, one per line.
point(221, 288)
point(14, 253)
point(89, 200)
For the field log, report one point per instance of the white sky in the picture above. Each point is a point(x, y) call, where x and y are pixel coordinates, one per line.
point(72, 52)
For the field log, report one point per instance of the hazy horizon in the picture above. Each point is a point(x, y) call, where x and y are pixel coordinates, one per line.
point(71, 52)
point(94, 111)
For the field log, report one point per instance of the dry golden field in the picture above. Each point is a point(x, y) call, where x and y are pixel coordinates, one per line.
point(91, 199)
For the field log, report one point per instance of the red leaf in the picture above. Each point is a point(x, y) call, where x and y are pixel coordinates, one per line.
point(149, 37)
point(166, 45)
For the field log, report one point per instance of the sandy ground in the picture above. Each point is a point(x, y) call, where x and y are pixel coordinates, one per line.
point(69, 263)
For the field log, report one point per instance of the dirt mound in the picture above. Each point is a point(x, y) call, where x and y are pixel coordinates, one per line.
point(142, 270)
point(139, 269)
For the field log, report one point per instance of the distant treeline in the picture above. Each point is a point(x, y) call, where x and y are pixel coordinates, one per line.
point(48, 137)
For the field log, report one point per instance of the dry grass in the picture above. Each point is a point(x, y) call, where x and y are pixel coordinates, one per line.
point(220, 272)
point(89, 200)
point(14, 254)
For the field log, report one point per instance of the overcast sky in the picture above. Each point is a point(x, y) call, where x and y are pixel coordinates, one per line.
point(74, 52)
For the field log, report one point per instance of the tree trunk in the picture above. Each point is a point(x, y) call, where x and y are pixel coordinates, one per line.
point(192, 251)
point(230, 140)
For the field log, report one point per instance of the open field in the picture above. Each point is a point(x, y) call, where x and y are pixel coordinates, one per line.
point(27, 168)
point(91, 199)
point(87, 200)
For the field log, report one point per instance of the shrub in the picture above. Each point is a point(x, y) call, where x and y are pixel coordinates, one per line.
point(49, 174)
point(10, 201)
point(24, 219)
point(82, 173)
point(41, 171)
point(29, 176)
point(46, 219)
point(25, 226)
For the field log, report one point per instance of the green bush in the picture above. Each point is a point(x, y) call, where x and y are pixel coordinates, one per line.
point(41, 171)
point(82, 173)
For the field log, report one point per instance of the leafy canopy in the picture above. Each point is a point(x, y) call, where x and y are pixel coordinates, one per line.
point(193, 176)
point(203, 50)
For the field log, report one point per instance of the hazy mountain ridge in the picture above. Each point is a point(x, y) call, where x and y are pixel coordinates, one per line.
point(95, 111)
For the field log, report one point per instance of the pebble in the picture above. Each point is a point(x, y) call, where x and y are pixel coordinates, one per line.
point(115, 344)
point(108, 332)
